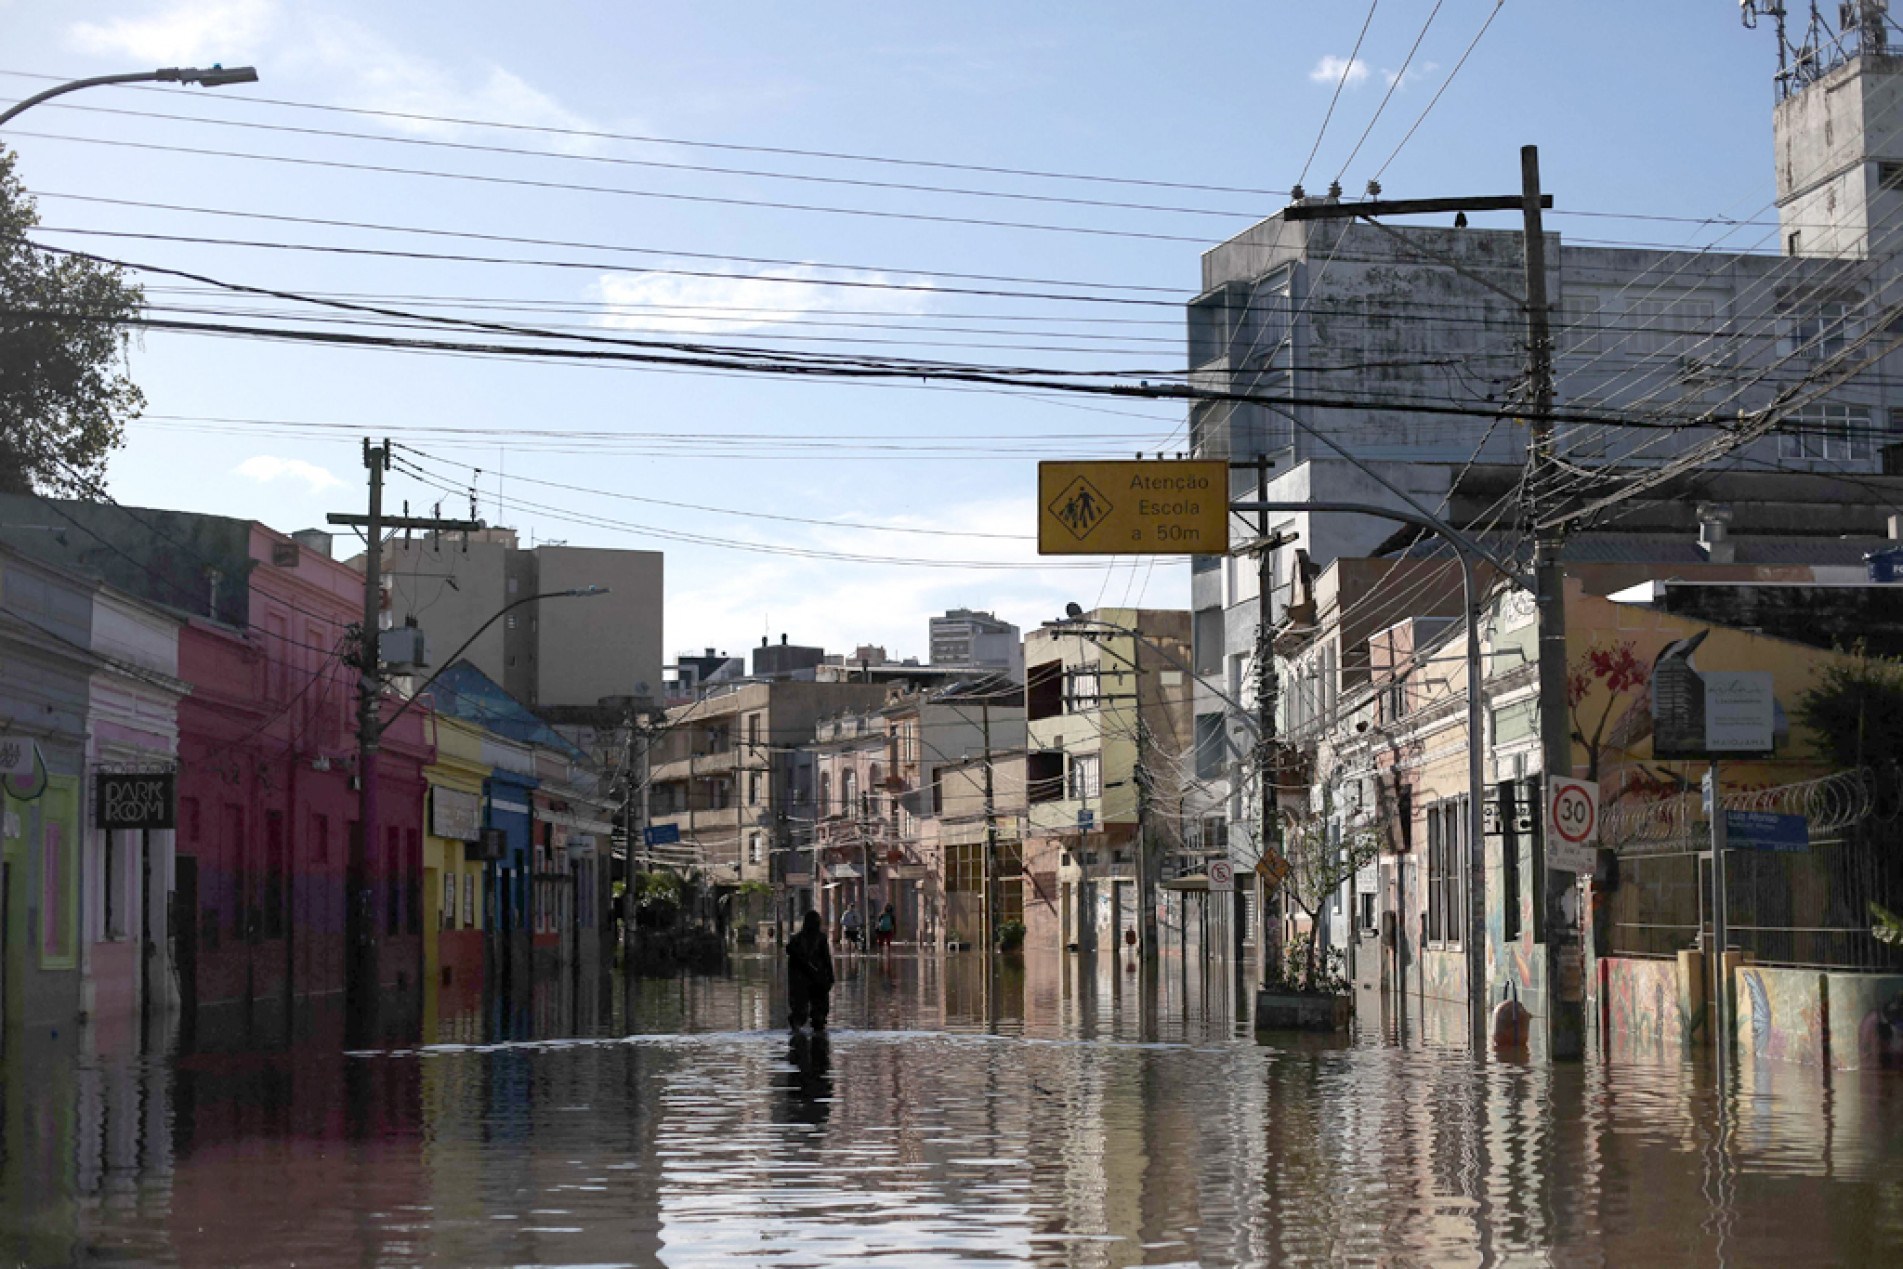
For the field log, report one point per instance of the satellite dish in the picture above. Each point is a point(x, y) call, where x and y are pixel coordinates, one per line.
point(1073, 611)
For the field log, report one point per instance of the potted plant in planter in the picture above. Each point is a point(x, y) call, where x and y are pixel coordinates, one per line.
point(1011, 936)
point(955, 942)
point(1308, 991)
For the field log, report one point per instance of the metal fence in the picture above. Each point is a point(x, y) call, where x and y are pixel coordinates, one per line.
point(1807, 909)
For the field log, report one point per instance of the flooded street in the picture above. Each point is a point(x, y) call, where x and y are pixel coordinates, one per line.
point(1039, 1119)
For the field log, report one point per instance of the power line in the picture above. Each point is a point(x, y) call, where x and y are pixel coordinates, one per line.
point(523, 182)
point(596, 135)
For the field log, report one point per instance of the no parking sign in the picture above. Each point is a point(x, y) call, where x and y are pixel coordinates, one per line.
point(1572, 823)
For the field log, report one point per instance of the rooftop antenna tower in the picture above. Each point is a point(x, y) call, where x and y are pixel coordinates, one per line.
point(1861, 27)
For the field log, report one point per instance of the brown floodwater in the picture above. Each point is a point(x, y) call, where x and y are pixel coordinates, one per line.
point(1039, 1115)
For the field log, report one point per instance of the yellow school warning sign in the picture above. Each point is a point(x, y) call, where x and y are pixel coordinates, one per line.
point(1133, 507)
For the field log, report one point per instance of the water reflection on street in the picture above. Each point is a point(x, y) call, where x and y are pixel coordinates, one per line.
point(1039, 1115)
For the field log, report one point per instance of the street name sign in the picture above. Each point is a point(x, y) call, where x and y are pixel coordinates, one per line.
point(661, 834)
point(1133, 507)
point(1572, 823)
point(1222, 875)
point(1765, 830)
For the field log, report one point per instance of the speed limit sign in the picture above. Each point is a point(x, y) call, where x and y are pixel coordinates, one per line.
point(1222, 875)
point(1572, 823)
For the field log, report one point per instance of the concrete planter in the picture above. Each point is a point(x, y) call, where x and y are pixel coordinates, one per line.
point(1302, 1011)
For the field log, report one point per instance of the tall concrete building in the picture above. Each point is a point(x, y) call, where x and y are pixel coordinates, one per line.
point(1665, 361)
point(963, 637)
point(558, 653)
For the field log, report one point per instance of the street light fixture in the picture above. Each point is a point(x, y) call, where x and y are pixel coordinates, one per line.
point(213, 76)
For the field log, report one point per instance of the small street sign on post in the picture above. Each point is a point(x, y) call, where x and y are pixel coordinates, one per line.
point(1765, 830)
point(1222, 876)
point(1572, 823)
point(1133, 507)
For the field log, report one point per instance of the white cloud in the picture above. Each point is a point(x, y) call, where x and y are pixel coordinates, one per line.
point(265, 468)
point(196, 34)
point(357, 66)
point(1333, 70)
point(737, 303)
point(1410, 75)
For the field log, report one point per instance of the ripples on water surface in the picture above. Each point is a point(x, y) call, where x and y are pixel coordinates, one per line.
point(1040, 1120)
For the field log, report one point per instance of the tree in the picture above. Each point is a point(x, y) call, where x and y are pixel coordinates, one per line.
point(1856, 710)
point(64, 395)
point(1317, 868)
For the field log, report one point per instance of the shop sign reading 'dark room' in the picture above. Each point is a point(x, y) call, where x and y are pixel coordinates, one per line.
point(1133, 507)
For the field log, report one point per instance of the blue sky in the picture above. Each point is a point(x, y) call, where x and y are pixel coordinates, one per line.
point(1637, 107)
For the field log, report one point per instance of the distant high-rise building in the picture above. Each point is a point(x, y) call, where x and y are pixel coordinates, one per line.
point(561, 652)
point(965, 637)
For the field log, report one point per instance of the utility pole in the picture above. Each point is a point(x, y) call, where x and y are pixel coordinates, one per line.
point(362, 969)
point(1146, 898)
point(991, 831)
point(1268, 691)
point(1564, 964)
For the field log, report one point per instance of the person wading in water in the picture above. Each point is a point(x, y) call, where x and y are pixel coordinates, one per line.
point(809, 974)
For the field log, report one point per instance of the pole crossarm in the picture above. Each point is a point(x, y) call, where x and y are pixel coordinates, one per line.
point(1408, 206)
point(426, 523)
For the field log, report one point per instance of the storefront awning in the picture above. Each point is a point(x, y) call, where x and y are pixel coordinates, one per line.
point(1197, 882)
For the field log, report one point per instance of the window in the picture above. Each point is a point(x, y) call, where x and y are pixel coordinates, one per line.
point(1817, 332)
point(1446, 859)
point(1044, 775)
point(1215, 835)
point(1085, 691)
point(753, 788)
point(755, 848)
point(1086, 776)
point(1044, 691)
point(1211, 746)
point(753, 731)
point(849, 792)
point(1830, 431)
point(825, 793)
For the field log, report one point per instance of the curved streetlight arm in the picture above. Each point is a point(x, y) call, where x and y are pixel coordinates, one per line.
point(579, 592)
point(210, 77)
point(1459, 541)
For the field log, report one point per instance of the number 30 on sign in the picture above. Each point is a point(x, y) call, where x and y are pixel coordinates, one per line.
point(1572, 823)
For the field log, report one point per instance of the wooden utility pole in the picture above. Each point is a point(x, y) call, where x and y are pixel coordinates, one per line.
point(362, 968)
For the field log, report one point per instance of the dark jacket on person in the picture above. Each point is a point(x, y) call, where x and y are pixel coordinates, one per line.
point(809, 962)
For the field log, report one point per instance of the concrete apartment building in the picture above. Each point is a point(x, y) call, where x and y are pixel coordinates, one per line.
point(1108, 725)
point(963, 637)
point(733, 773)
point(1296, 312)
point(563, 652)
point(879, 784)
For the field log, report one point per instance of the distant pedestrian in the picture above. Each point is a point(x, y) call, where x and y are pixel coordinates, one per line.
point(809, 974)
point(849, 925)
point(882, 928)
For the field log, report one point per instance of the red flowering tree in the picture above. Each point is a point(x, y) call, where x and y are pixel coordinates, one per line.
point(1614, 667)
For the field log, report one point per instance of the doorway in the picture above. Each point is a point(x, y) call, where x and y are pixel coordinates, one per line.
point(181, 927)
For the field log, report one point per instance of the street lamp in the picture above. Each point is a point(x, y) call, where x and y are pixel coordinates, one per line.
point(213, 76)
